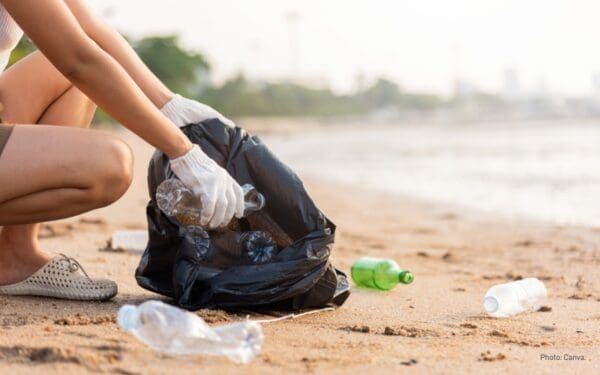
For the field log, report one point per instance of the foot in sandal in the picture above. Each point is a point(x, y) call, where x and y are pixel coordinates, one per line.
point(25, 269)
point(63, 277)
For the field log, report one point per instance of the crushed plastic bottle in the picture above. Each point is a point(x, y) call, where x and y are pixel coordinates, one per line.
point(512, 298)
point(176, 200)
point(171, 330)
point(375, 273)
point(259, 246)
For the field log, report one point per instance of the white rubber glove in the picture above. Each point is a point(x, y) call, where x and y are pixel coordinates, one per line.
point(183, 111)
point(220, 194)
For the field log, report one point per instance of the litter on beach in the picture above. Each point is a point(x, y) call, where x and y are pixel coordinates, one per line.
point(133, 241)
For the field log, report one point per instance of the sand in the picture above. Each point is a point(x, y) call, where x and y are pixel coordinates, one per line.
point(434, 325)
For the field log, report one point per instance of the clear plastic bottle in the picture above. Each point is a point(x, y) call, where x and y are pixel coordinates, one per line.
point(512, 298)
point(171, 330)
point(176, 200)
point(377, 273)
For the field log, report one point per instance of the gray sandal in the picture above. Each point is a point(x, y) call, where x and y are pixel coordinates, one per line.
point(60, 278)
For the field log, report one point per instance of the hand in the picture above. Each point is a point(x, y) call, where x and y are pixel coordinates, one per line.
point(183, 111)
point(220, 194)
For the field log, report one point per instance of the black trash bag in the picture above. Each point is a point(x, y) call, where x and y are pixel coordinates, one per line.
point(213, 271)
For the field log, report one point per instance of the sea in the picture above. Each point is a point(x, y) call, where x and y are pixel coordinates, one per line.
point(547, 171)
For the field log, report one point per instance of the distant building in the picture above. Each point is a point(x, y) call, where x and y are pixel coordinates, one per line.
point(593, 102)
point(596, 86)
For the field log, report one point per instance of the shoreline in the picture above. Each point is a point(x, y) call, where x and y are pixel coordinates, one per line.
point(291, 125)
point(435, 324)
point(519, 172)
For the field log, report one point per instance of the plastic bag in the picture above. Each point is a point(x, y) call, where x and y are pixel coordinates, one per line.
point(210, 271)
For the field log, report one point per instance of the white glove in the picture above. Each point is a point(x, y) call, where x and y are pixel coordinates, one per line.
point(220, 194)
point(183, 111)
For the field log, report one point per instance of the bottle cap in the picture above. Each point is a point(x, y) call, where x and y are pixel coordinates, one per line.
point(253, 200)
point(127, 317)
point(490, 304)
point(406, 277)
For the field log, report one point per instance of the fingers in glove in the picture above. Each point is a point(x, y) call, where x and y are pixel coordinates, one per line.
point(220, 208)
point(231, 202)
point(209, 203)
point(239, 199)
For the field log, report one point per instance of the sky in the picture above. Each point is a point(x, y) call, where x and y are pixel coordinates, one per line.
point(424, 45)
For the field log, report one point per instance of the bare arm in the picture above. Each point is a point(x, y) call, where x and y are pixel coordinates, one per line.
point(181, 111)
point(114, 44)
point(94, 71)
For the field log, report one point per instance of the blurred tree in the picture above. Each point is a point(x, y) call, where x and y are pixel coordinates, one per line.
point(187, 72)
point(422, 102)
point(179, 69)
point(384, 93)
point(239, 97)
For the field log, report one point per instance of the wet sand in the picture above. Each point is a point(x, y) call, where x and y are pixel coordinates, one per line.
point(434, 325)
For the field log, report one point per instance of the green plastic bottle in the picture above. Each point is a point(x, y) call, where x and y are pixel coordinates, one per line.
point(378, 273)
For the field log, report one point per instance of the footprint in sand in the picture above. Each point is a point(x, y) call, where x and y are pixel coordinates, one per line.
point(361, 329)
point(405, 331)
point(55, 230)
point(84, 320)
point(40, 355)
point(93, 221)
point(489, 357)
point(497, 333)
point(527, 343)
point(410, 362)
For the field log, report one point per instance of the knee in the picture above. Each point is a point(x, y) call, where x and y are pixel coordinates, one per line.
point(115, 172)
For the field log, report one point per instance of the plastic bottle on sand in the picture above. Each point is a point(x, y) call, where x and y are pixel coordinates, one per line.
point(508, 299)
point(171, 330)
point(176, 200)
point(134, 241)
point(378, 273)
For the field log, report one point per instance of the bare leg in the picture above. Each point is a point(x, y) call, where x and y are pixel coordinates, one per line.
point(19, 243)
point(49, 180)
point(20, 253)
point(35, 90)
point(29, 87)
point(72, 109)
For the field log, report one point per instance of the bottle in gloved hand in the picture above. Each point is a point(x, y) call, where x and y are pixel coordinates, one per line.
point(375, 273)
point(169, 329)
point(176, 200)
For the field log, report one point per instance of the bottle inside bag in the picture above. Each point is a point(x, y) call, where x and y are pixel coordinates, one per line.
point(259, 247)
point(236, 244)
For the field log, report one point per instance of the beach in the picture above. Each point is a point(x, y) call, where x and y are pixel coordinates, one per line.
point(434, 325)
